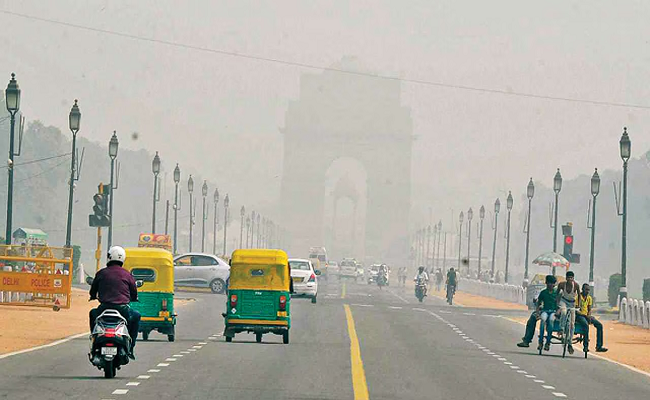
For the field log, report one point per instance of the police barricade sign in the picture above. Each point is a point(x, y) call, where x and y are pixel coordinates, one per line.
point(36, 276)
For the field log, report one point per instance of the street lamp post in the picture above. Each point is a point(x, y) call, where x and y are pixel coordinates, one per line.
point(258, 232)
point(190, 189)
point(216, 220)
point(155, 168)
point(242, 212)
point(470, 215)
point(530, 192)
point(177, 179)
point(226, 203)
point(481, 215)
point(497, 208)
point(439, 240)
point(248, 227)
point(509, 207)
point(253, 229)
point(12, 100)
point(595, 189)
point(74, 120)
point(113, 146)
point(460, 237)
point(428, 253)
point(204, 216)
point(557, 187)
point(626, 149)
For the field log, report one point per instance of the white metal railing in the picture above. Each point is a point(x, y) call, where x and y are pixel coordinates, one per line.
point(634, 312)
point(505, 292)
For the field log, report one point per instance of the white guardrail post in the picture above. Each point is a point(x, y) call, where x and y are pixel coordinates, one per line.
point(504, 292)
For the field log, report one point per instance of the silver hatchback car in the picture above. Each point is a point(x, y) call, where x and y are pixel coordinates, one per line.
point(201, 270)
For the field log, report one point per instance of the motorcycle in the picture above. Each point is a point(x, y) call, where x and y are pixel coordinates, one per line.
point(110, 343)
point(382, 280)
point(420, 289)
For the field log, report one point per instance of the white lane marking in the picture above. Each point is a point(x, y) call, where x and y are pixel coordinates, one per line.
point(58, 342)
point(133, 384)
point(538, 381)
point(362, 305)
point(492, 315)
point(120, 391)
point(170, 359)
point(197, 347)
point(496, 355)
point(514, 367)
point(507, 363)
point(549, 387)
point(395, 308)
point(531, 376)
point(445, 312)
point(185, 352)
point(213, 338)
point(144, 376)
point(418, 309)
point(202, 343)
point(191, 350)
point(162, 365)
point(398, 296)
point(177, 355)
point(489, 353)
point(153, 370)
point(502, 359)
point(559, 394)
point(521, 371)
point(468, 313)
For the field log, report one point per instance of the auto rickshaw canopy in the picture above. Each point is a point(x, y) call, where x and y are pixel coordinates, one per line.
point(259, 269)
point(153, 266)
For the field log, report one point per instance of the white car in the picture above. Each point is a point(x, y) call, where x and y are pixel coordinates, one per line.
point(201, 270)
point(304, 278)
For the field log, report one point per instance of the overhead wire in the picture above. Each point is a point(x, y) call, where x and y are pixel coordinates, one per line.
point(324, 68)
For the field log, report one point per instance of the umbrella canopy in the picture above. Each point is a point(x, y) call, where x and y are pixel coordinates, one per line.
point(552, 259)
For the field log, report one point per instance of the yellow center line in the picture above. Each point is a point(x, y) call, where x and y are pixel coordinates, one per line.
point(359, 384)
point(343, 291)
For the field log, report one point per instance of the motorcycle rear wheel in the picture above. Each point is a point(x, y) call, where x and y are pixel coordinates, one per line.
point(109, 370)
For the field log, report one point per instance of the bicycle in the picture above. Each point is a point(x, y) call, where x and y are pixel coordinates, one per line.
point(579, 334)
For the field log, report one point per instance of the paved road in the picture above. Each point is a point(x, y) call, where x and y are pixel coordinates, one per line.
point(407, 351)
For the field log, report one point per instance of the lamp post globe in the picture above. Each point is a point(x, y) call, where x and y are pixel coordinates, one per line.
point(497, 206)
point(595, 183)
point(155, 164)
point(625, 146)
point(216, 195)
point(530, 189)
point(113, 146)
point(155, 168)
point(481, 212)
point(204, 188)
point(74, 118)
point(190, 185)
point(12, 95)
point(557, 182)
point(509, 201)
point(177, 174)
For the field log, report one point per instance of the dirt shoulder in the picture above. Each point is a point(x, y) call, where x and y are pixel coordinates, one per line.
point(627, 344)
point(26, 327)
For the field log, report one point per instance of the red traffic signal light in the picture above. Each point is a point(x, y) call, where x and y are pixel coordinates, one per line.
point(568, 240)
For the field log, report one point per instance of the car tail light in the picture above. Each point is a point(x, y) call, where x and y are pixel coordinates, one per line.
point(109, 344)
point(164, 305)
point(312, 278)
point(283, 303)
point(233, 300)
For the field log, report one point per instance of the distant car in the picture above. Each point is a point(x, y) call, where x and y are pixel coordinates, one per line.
point(201, 270)
point(349, 268)
point(333, 269)
point(372, 273)
point(305, 283)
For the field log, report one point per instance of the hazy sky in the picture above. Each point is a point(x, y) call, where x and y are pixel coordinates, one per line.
point(223, 114)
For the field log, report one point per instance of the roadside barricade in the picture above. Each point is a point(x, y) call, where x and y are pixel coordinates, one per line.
point(634, 312)
point(505, 292)
point(35, 276)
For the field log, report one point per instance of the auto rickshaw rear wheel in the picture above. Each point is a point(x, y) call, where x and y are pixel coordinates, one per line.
point(145, 335)
point(171, 338)
point(258, 337)
point(285, 337)
point(228, 339)
point(313, 300)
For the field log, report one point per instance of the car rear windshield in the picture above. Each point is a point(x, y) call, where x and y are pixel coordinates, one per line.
point(299, 265)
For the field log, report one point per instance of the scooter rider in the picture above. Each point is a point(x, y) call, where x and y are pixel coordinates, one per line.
point(115, 288)
point(422, 277)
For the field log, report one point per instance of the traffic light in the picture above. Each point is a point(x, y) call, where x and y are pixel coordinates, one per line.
point(567, 231)
point(100, 215)
point(568, 247)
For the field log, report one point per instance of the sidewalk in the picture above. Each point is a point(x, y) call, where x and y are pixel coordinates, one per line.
point(471, 300)
point(26, 327)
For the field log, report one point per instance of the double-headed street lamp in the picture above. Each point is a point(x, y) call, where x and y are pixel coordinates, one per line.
point(190, 189)
point(74, 120)
point(509, 202)
point(595, 189)
point(481, 215)
point(625, 146)
point(216, 220)
point(460, 237)
point(177, 179)
point(113, 146)
point(155, 168)
point(530, 192)
point(226, 203)
point(557, 187)
point(248, 227)
point(204, 216)
point(242, 212)
point(470, 215)
point(439, 240)
point(497, 208)
point(12, 100)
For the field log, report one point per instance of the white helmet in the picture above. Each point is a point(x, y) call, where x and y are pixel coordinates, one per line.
point(116, 254)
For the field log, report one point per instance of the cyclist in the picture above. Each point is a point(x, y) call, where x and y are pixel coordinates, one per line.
point(451, 282)
point(567, 295)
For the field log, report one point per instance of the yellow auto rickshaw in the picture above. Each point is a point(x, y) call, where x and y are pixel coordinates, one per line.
point(259, 294)
point(155, 269)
